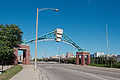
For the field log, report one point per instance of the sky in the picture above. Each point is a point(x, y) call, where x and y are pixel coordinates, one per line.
point(82, 20)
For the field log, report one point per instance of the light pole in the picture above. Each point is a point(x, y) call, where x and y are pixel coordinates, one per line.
point(58, 51)
point(37, 32)
point(59, 54)
point(107, 38)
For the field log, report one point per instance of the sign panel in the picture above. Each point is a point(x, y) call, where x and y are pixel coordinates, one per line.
point(58, 35)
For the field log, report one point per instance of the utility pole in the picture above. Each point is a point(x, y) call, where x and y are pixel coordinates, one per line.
point(44, 51)
point(36, 41)
point(59, 54)
point(58, 51)
point(107, 38)
point(37, 32)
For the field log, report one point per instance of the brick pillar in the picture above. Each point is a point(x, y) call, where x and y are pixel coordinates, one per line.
point(77, 59)
point(16, 54)
point(27, 57)
point(83, 59)
point(88, 59)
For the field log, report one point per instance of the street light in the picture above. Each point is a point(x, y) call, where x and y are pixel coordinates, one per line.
point(59, 51)
point(59, 54)
point(47, 9)
point(37, 32)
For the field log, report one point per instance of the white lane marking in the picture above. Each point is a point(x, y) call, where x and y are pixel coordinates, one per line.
point(101, 69)
point(89, 74)
point(98, 69)
point(48, 67)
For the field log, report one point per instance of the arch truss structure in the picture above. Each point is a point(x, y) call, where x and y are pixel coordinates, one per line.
point(58, 36)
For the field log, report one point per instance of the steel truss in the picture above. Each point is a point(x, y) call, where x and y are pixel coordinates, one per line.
point(51, 36)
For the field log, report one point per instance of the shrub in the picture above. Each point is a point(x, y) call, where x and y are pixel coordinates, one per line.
point(72, 60)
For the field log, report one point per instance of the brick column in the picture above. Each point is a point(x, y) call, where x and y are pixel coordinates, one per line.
point(16, 54)
point(27, 57)
point(83, 59)
point(88, 59)
point(77, 59)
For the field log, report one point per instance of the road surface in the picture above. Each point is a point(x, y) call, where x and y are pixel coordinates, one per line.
point(76, 72)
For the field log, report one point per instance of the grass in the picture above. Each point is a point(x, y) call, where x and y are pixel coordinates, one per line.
point(105, 65)
point(9, 73)
point(114, 65)
point(97, 65)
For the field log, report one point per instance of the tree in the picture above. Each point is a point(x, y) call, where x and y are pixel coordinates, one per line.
point(13, 35)
point(98, 60)
point(45, 59)
point(95, 61)
point(72, 60)
point(10, 37)
point(105, 59)
point(37, 59)
point(112, 60)
point(102, 59)
point(34, 59)
point(92, 59)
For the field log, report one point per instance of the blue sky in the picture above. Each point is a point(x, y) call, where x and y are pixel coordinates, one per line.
point(82, 20)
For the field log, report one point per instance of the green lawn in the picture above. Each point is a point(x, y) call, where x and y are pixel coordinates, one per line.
point(98, 65)
point(115, 65)
point(9, 73)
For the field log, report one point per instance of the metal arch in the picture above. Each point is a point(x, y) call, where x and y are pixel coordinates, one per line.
point(65, 38)
point(51, 35)
point(45, 36)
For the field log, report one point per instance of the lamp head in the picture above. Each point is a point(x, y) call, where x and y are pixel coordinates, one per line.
point(56, 10)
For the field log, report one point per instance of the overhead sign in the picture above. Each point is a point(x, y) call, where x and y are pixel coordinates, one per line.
point(58, 35)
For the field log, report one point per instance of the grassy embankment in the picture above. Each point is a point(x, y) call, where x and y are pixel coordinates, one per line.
point(9, 73)
point(115, 65)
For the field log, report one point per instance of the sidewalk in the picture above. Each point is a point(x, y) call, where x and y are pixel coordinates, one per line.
point(27, 73)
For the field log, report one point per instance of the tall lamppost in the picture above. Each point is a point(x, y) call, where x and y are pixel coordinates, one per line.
point(107, 38)
point(37, 32)
point(58, 51)
point(59, 54)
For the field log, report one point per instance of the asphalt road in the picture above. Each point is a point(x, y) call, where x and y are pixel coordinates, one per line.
point(76, 72)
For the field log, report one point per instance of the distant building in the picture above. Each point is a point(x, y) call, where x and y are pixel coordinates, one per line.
point(69, 55)
point(32, 59)
point(74, 56)
point(118, 58)
point(63, 56)
point(112, 55)
point(54, 57)
point(96, 54)
point(20, 57)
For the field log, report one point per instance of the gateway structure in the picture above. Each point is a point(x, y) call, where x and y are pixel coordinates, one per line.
point(56, 35)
